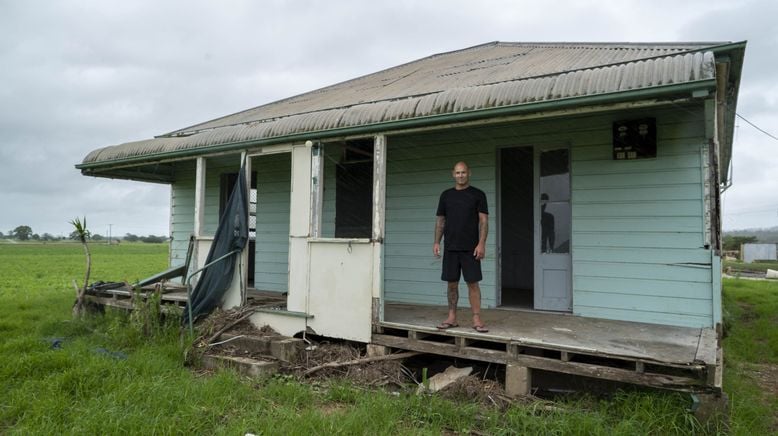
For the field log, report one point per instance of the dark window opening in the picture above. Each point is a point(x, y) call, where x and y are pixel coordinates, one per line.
point(352, 162)
point(354, 191)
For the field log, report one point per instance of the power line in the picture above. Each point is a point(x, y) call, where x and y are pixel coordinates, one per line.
point(755, 126)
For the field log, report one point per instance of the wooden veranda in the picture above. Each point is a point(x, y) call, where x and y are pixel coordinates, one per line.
point(661, 356)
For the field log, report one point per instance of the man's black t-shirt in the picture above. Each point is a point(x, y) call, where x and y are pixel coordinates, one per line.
point(461, 208)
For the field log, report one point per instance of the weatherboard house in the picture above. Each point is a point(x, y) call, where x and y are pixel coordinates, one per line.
point(622, 146)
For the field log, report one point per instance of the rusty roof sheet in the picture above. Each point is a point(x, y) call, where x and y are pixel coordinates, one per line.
point(487, 76)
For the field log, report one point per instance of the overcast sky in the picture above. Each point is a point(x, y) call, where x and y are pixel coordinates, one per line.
point(78, 75)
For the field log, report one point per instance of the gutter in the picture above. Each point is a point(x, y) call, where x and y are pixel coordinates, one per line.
point(429, 120)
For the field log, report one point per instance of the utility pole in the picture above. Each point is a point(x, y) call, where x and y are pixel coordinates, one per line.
point(109, 234)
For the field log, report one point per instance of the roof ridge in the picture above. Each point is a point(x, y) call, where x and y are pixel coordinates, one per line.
point(611, 43)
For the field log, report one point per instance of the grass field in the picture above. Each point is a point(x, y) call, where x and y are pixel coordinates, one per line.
point(103, 376)
point(736, 266)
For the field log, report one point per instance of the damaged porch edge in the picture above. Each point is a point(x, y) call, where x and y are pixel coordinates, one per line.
point(662, 381)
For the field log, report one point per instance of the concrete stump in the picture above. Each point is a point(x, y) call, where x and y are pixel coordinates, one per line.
point(244, 365)
point(518, 380)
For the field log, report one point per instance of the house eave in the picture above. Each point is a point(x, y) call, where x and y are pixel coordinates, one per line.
point(658, 93)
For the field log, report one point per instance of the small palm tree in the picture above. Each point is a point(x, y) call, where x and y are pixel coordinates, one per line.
point(82, 234)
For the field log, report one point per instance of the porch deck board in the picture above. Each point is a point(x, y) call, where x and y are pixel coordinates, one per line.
point(564, 332)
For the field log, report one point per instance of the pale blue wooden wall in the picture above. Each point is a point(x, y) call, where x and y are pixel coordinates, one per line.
point(638, 227)
point(183, 198)
point(274, 188)
point(418, 170)
point(637, 244)
point(274, 182)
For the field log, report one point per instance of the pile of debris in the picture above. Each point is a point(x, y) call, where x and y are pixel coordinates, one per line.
point(228, 339)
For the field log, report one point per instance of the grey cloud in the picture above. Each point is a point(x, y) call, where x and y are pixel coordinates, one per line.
point(86, 74)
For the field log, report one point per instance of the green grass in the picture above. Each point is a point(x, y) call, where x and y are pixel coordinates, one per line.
point(736, 265)
point(751, 315)
point(76, 389)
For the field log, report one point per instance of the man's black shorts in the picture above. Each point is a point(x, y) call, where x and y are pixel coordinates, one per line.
point(456, 262)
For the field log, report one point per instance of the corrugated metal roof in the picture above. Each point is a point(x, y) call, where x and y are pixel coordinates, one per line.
point(488, 76)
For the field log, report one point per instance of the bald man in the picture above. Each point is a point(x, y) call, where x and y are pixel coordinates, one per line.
point(462, 224)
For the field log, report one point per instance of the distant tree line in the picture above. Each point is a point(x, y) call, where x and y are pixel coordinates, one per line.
point(152, 239)
point(733, 243)
point(732, 240)
point(25, 233)
point(763, 236)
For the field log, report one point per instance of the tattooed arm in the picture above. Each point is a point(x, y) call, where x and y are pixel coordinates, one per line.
point(440, 224)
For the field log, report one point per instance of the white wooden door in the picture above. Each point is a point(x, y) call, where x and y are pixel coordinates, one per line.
point(553, 290)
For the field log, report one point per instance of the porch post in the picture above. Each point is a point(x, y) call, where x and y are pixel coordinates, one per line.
point(379, 221)
point(317, 183)
point(299, 229)
point(199, 204)
point(244, 257)
point(379, 187)
point(199, 213)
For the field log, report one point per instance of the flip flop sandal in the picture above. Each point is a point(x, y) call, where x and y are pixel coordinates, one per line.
point(480, 328)
point(447, 325)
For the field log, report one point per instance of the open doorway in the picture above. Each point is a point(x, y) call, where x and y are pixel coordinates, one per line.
point(517, 260)
point(271, 215)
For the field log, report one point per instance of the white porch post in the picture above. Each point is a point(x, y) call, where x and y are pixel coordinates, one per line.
point(379, 187)
point(199, 206)
point(244, 258)
point(317, 187)
point(198, 255)
point(299, 228)
point(379, 220)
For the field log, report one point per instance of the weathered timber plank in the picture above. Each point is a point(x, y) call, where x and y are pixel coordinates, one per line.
point(172, 294)
point(126, 304)
point(444, 349)
point(461, 341)
point(707, 346)
point(112, 302)
point(718, 378)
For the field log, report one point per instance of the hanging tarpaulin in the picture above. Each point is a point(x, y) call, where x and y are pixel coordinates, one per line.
point(230, 238)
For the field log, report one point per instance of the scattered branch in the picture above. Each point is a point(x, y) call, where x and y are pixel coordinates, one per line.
point(362, 360)
point(230, 325)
